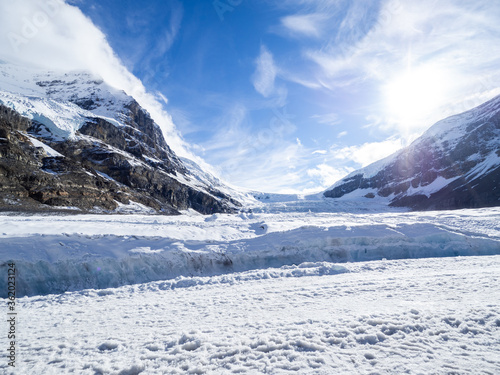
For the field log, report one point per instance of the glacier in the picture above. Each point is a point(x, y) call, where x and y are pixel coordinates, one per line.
point(57, 254)
point(437, 315)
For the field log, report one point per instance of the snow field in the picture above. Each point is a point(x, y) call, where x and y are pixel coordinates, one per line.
point(62, 119)
point(55, 254)
point(423, 316)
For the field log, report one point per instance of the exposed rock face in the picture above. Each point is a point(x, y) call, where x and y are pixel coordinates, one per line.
point(456, 164)
point(29, 178)
point(131, 166)
point(99, 148)
point(11, 120)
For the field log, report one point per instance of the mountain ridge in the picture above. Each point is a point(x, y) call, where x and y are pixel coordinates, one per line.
point(90, 129)
point(454, 164)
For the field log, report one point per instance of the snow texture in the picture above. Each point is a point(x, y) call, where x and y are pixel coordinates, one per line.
point(425, 316)
point(49, 151)
point(55, 254)
point(61, 119)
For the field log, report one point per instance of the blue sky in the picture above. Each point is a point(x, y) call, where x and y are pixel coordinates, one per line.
point(290, 96)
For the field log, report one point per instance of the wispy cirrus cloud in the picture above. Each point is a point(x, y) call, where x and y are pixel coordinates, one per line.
point(263, 159)
point(281, 165)
point(153, 56)
point(342, 134)
point(265, 73)
point(331, 119)
point(454, 37)
point(309, 25)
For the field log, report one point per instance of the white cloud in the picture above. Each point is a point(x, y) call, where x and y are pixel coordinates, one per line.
point(376, 48)
point(331, 119)
point(304, 24)
point(162, 97)
point(257, 158)
point(273, 163)
point(57, 36)
point(368, 153)
point(152, 57)
point(233, 133)
point(270, 169)
point(342, 134)
point(328, 175)
point(265, 73)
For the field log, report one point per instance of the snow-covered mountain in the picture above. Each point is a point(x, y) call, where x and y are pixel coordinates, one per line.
point(69, 139)
point(455, 164)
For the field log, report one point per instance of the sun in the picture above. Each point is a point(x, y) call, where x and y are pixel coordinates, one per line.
point(412, 96)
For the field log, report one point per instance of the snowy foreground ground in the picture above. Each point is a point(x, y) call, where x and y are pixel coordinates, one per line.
point(263, 292)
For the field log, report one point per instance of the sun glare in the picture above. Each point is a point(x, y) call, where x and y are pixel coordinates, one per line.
point(412, 96)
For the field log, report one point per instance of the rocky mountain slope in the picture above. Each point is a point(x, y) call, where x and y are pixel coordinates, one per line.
point(455, 164)
point(71, 140)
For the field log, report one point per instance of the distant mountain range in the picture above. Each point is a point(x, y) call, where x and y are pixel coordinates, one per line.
point(455, 164)
point(71, 141)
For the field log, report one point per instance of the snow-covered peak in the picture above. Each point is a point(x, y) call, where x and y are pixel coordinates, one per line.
point(62, 101)
point(454, 164)
point(455, 127)
point(62, 119)
point(20, 80)
point(87, 91)
point(444, 134)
